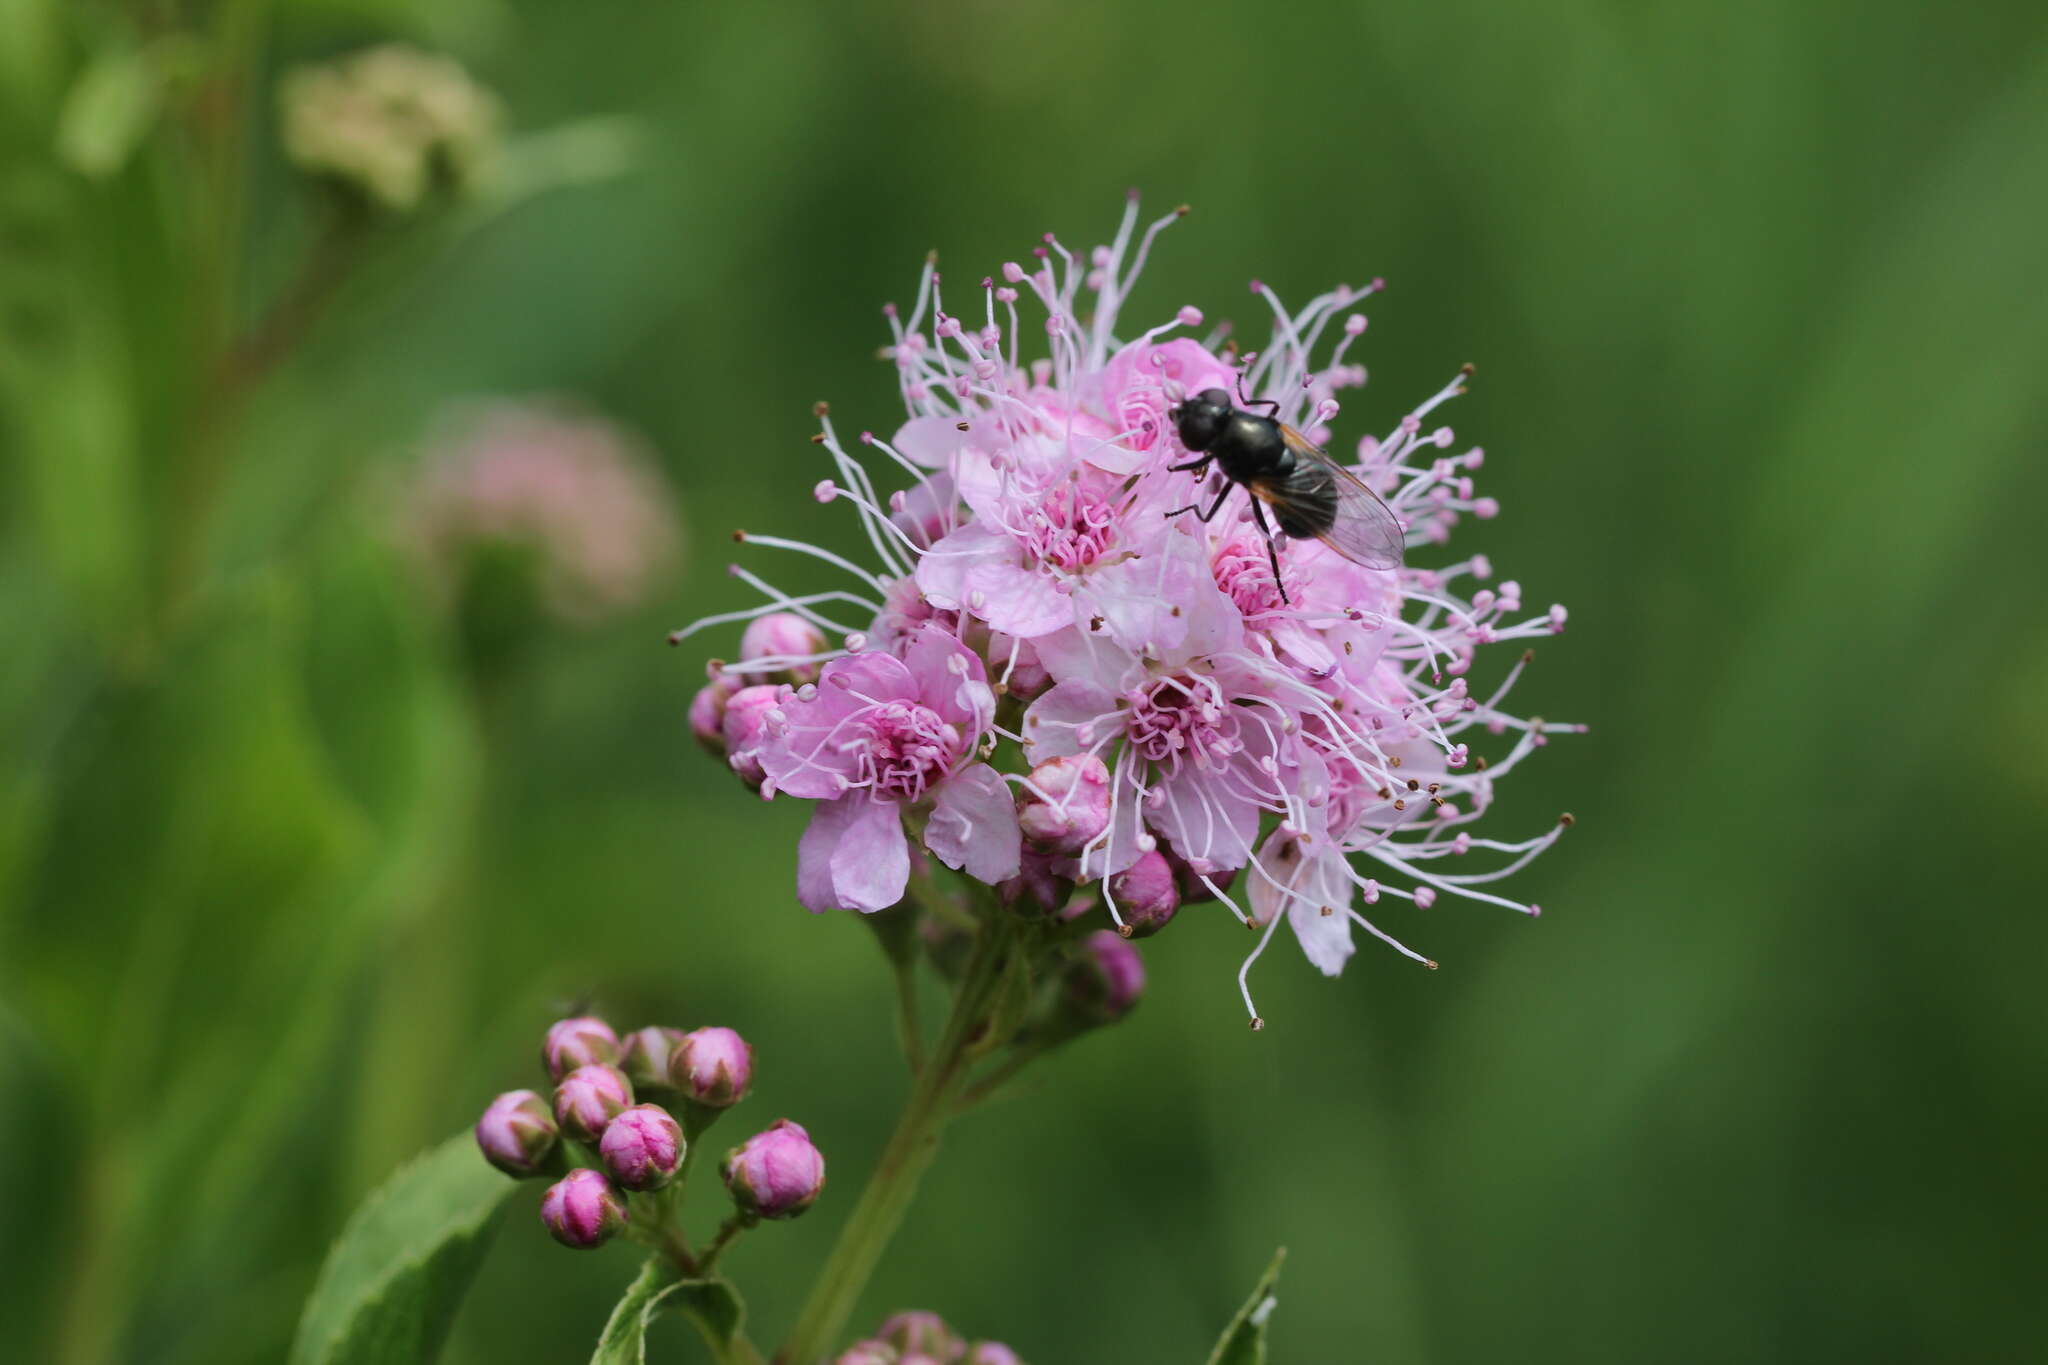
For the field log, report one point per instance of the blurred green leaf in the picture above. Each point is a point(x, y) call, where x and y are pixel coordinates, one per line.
point(395, 1277)
point(1244, 1341)
point(110, 110)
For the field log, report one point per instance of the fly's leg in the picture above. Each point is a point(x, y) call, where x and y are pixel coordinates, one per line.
point(1205, 517)
point(1272, 549)
point(1195, 463)
point(1270, 405)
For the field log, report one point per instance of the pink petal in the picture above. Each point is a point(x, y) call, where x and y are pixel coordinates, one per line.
point(974, 825)
point(871, 860)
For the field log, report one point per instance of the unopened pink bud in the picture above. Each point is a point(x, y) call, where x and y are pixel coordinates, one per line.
point(922, 1333)
point(578, 1042)
point(746, 715)
point(1067, 803)
point(589, 1098)
point(991, 1353)
point(713, 1066)
point(642, 1147)
point(707, 713)
point(778, 639)
point(1146, 894)
point(869, 1353)
point(582, 1210)
point(646, 1054)
point(776, 1173)
point(1106, 977)
point(516, 1133)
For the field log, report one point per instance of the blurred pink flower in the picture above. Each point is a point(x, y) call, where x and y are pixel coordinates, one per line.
point(579, 493)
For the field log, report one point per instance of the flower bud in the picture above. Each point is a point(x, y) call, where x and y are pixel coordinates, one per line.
point(775, 639)
point(578, 1042)
point(516, 1133)
point(1066, 804)
point(707, 712)
point(922, 1333)
point(392, 124)
point(642, 1147)
point(713, 1066)
point(582, 1210)
point(991, 1353)
point(1146, 894)
point(644, 1057)
point(869, 1353)
point(1105, 978)
point(746, 714)
point(1041, 886)
point(776, 1173)
point(589, 1098)
point(1193, 890)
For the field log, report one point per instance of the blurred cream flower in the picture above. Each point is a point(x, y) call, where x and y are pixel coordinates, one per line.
point(391, 121)
point(566, 488)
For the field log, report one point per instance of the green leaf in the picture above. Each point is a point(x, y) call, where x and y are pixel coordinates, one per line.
point(712, 1305)
point(624, 1341)
point(109, 111)
point(393, 1280)
point(715, 1307)
point(1244, 1341)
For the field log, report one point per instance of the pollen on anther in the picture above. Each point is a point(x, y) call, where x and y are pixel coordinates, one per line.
point(1257, 1023)
point(1567, 819)
point(820, 408)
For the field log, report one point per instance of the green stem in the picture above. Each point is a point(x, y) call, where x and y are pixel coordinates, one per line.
point(887, 1198)
point(906, 1015)
point(731, 1228)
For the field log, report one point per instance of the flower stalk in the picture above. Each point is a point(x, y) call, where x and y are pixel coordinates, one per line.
point(910, 1150)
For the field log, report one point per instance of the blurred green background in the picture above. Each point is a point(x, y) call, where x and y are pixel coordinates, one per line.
point(289, 885)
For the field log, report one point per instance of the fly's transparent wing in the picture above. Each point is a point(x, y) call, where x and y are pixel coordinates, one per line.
point(1366, 530)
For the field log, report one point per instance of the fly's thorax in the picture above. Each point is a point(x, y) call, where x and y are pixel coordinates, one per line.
point(1250, 447)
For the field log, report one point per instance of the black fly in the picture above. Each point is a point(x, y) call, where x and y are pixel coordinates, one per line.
point(1312, 496)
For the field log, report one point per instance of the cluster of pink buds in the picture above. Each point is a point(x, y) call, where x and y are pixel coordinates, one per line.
point(607, 1138)
point(1089, 661)
point(921, 1338)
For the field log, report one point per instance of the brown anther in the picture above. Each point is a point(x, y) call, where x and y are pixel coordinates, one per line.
point(740, 536)
point(1400, 805)
point(1257, 1023)
point(1394, 762)
point(932, 257)
point(1175, 612)
point(963, 426)
point(1468, 369)
point(1182, 210)
point(1124, 931)
point(1431, 964)
point(1000, 688)
point(1479, 762)
point(1436, 786)
point(820, 408)
point(1414, 784)
point(817, 438)
point(1436, 801)
point(1347, 646)
point(1385, 792)
point(1095, 623)
point(1328, 911)
point(1528, 656)
point(1567, 819)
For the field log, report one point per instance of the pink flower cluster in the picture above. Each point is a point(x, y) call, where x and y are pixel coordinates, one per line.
point(1037, 627)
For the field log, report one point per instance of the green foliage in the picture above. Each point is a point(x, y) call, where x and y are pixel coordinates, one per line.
point(397, 1274)
point(287, 889)
point(1244, 1341)
point(712, 1305)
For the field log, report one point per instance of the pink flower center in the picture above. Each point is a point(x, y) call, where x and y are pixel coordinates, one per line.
point(1069, 528)
point(1178, 717)
point(903, 748)
point(1245, 573)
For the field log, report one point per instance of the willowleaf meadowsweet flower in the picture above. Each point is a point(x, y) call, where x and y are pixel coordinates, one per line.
point(1049, 670)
